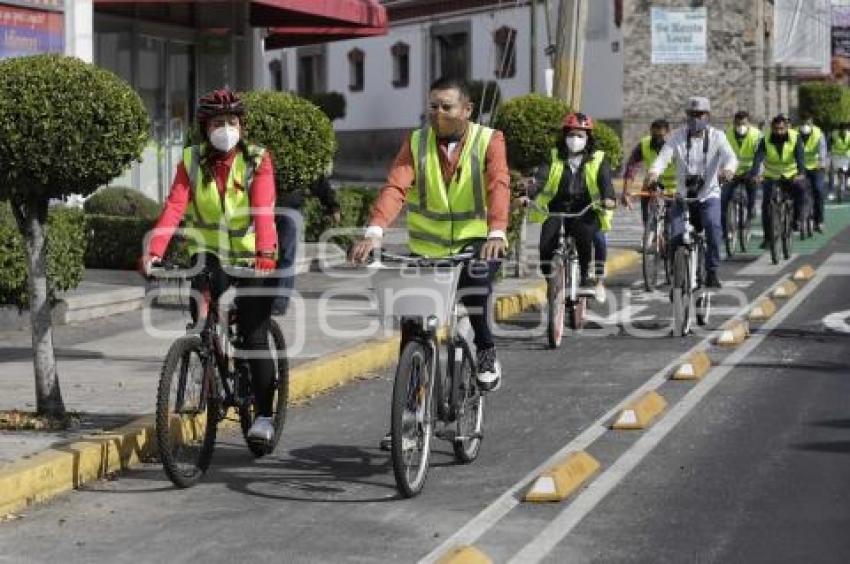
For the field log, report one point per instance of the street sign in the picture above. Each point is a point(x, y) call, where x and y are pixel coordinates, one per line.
point(679, 35)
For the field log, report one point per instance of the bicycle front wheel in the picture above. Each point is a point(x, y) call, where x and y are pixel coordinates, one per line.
point(774, 234)
point(186, 412)
point(787, 231)
point(651, 254)
point(412, 425)
point(277, 344)
point(743, 222)
point(682, 294)
point(555, 302)
point(470, 420)
point(731, 226)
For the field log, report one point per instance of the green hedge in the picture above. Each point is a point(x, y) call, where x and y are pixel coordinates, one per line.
point(115, 242)
point(607, 140)
point(122, 202)
point(829, 104)
point(355, 205)
point(65, 249)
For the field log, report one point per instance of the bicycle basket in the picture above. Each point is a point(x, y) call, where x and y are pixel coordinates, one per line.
point(416, 292)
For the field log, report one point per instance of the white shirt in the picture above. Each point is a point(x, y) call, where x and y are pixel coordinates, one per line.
point(720, 156)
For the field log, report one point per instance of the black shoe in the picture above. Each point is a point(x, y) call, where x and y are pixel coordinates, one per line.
point(819, 227)
point(489, 370)
point(712, 281)
point(387, 442)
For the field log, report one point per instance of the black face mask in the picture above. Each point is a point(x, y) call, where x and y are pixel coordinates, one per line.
point(656, 142)
point(779, 138)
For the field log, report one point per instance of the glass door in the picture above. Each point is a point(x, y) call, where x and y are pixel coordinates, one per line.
point(180, 90)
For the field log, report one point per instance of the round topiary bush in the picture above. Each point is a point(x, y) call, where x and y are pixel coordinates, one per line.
point(828, 104)
point(608, 141)
point(122, 202)
point(531, 124)
point(298, 134)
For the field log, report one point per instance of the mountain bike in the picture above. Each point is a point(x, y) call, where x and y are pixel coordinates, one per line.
point(688, 293)
point(204, 375)
point(737, 223)
point(436, 377)
point(780, 234)
point(655, 241)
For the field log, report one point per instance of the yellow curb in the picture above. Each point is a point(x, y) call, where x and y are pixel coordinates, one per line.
point(65, 467)
point(557, 483)
point(805, 272)
point(764, 309)
point(510, 306)
point(694, 367)
point(785, 290)
point(640, 413)
point(733, 333)
point(464, 555)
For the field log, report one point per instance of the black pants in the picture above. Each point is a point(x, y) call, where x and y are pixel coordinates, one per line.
point(583, 229)
point(475, 289)
point(253, 314)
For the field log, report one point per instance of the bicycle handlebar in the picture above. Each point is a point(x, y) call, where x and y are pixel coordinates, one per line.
point(170, 270)
point(563, 215)
point(453, 260)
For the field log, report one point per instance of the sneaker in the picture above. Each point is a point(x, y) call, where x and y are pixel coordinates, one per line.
point(819, 227)
point(386, 443)
point(261, 430)
point(600, 291)
point(712, 281)
point(489, 370)
point(586, 288)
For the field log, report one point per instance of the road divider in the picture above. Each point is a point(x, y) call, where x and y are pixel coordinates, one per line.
point(561, 480)
point(694, 367)
point(805, 272)
point(785, 290)
point(733, 333)
point(641, 413)
point(763, 310)
point(465, 555)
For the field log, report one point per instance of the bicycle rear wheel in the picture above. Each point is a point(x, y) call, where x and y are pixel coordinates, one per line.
point(412, 426)
point(732, 225)
point(682, 294)
point(555, 302)
point(186, 412)
point(470, 420)
point(281, 395)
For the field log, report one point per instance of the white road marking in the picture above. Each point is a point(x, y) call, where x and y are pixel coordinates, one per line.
point(627, 313)
point(596, 491)
point(838, 321)
point(494, 512)
point(737, 283)
point(763, 266)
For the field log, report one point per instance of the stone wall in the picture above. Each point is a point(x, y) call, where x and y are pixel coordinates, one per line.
point(733, 78)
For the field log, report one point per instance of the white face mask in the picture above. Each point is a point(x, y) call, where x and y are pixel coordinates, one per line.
point(741, 129)
point(576, 144)
point(805, 129)
point(224, 138)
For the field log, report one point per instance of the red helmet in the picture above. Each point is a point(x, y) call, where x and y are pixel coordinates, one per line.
point(577, 121)
point(219, 102)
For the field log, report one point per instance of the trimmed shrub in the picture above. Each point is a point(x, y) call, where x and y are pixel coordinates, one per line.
point(115, 242)
point(296, 132)
point(828, 104)
point(122, 202)
point(355, 205)
point(331, 103)
point(66, 245)
point(607, 140)
point(531, 124)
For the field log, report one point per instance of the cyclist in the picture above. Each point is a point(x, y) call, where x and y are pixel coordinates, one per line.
point(783, 156)
point(744, 139)
point(815, 157)
point(703, 159)
point(225, 188)
point(840, 146)
point(454, 176)
point(577, 175)
point(645, 152)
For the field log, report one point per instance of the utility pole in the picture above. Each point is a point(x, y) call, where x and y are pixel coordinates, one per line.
point(569, 50)
point(533, 48)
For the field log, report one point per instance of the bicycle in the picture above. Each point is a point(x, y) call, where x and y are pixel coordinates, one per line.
point(840, 166)
point(737, 222)
point(654, 243)
point(436, 377)
point(781, 213)
point(203, 377)
point(562, 291)
point(688, 292)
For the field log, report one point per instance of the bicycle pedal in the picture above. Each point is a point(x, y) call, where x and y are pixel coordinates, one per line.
point(470, 437)
point(447, 435)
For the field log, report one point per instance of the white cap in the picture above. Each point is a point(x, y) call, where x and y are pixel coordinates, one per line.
point(698, 104)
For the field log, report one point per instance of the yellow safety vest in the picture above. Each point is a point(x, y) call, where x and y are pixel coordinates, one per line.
point(222, 224)
point(648, 154)
point(442, 220)
point(840, 144)
point(746, 150)
point(811, 158)
point(784, 166)
point(591, 182)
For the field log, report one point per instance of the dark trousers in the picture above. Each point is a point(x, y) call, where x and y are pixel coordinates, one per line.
point(600, 252)
point(705, 216)
point(583, 229)
point(475, 291)
point(290, 225)
point(817, 189)
point(726, 197)
point(798, 192)
point(253, 313)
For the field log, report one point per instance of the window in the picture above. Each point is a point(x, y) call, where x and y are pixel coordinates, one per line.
point(356, 70)
point(451, 52)
point(401, 64)
point(276, 73)
point(312, 70)
point(504, 40)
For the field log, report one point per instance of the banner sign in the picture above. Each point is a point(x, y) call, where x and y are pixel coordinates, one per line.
point(679, 35)
point(30, 32)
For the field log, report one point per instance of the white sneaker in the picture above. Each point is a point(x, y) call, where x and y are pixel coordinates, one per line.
point(262, 429)
point(600, 292)
point(489, 370)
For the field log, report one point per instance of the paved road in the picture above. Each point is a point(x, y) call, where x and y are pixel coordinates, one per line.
point(748, 465)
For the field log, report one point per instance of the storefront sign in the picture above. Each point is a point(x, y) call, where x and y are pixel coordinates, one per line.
point(841, 31)
point(29, 32)
point(679, 36)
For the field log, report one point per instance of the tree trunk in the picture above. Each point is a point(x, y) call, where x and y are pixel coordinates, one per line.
point(32, 221)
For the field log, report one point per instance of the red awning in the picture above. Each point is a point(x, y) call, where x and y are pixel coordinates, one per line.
point(300, 22)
